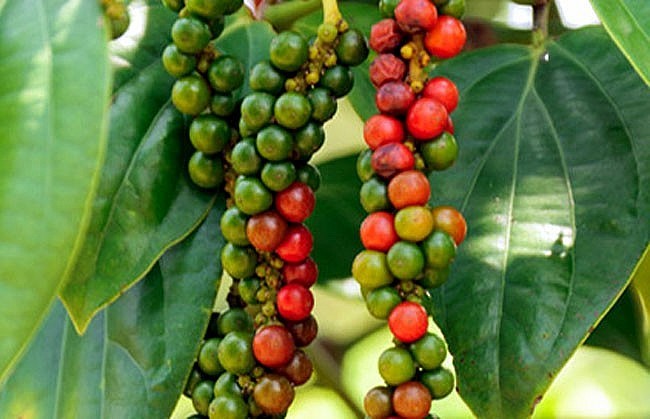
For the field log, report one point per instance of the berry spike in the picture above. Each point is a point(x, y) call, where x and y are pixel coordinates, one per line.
point(409, 246)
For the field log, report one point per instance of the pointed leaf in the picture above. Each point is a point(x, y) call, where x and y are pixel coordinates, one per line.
point(145, 203)
point(628, 23)
point(135, 356)
point(53, 98)
point(154, 206)
point(554, 181)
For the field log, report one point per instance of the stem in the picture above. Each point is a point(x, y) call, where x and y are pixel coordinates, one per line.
point(331, 13)
point(328, 370)
point(283, 15)
point(540, 21)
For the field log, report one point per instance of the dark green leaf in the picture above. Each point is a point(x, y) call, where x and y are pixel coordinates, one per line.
point(628, 23)
point(136, 354)
point(153, 205)
point(53, 96)
point(145, 202)
point(618, 330)
point(554, 181)
point(336, 218)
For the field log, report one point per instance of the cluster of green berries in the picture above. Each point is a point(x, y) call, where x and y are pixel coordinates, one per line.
point(409, 246)
point(259, 149)
point(206, 80)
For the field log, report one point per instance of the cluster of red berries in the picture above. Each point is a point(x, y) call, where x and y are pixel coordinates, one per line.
point(409, 246)
point(252, 359)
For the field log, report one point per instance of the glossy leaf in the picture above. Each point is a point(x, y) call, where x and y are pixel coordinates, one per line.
point(53, 97)
point(136, 354)
point(145, 202)
point(336, 218)
point(554, 180)
point(628, 23)
point(153, 206)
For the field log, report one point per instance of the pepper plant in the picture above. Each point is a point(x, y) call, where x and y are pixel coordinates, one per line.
point(111, 251)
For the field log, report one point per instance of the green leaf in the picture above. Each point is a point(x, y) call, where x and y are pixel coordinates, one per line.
point(336, 218)
point(554, 181)
point(53, 95)
point(618, 330)
point(628, 23)
point(139, 213)
point(135, 356)
point(145, 202)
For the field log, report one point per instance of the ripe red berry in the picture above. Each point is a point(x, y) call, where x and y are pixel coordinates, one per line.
point(297, 244)
point(296, 202)
point(378, 231)
point(391, 159)
point(447, 38)
point(408, 321)
point(443, 90)
point(394, 97)
point(415, 15)
point(451, 221)
point(385, 36)
point(382, 129)
point(304, 273)
point(273, 346)
point(426, 119)
point(412, 400)
point(385, 68)
point(408, 188)
point(266, 230)
point(294, 302)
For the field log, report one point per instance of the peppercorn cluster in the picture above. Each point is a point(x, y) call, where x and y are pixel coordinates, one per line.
point(409, 246)
point(258, 149)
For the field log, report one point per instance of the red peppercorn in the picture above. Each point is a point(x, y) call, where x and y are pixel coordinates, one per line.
point(443, 90)
point(394, 97)
point(426, 119)
point(266, 230)
point(391, 159)
point(304, 273)
point(297, 244)
point(412, 400)
point(408, 321)
point(294, 302)
point(408, 188)
point(383, 129)
point(378, 231)
point(273, 346)
point(447, 38)
point(385, 36)
point(385, 68)
point(451, 221)
point(416, 15)
point(295, 203)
